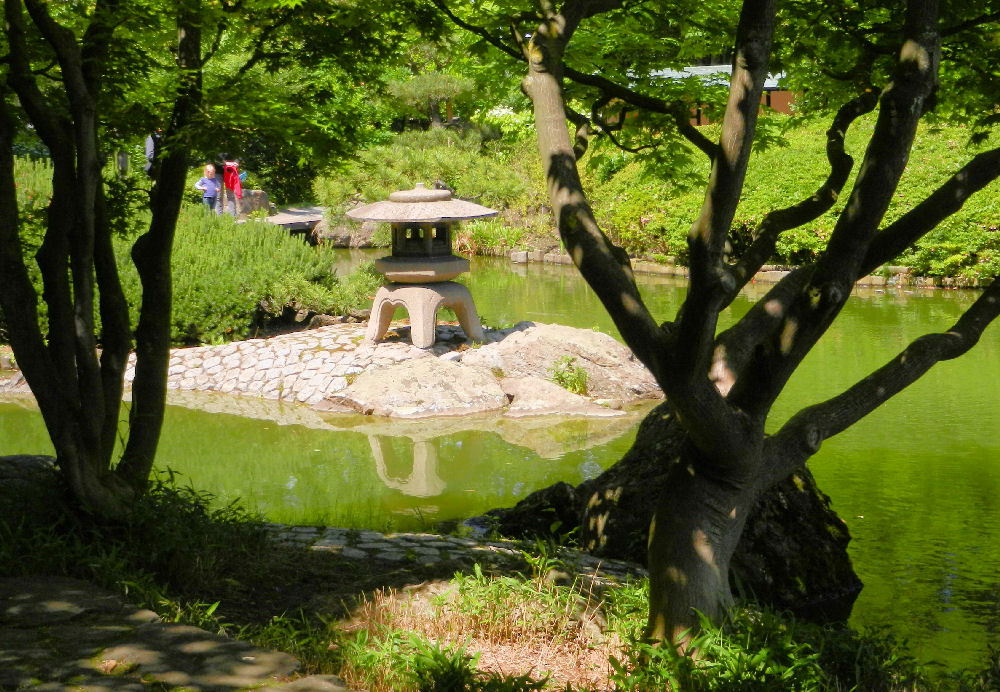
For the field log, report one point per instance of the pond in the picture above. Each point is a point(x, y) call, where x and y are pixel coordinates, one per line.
point(918, 481)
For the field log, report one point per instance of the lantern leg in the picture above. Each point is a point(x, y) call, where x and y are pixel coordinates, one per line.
point(422, 304)
point(383, 309)
point(465, 311)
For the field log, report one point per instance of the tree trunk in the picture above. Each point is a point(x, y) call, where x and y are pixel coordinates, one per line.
point(692, 537)
point(434, 113)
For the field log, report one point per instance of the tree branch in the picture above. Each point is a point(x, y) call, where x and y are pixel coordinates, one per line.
point(51, 128)
point(682, 118)
point(479, 31)
point(259, 53)
point(817, 305)
point(802, 435)
point(970, 23)
point(710, 280)
point(737, 345)
point(982, 170)
point(584, 131)
point(604, 266)
point(777, 222)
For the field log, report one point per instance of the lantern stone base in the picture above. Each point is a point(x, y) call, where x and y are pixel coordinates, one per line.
point(421, 270)
point(422, 302)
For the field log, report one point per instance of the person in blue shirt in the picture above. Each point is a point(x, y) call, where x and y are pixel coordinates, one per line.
point(209, 186)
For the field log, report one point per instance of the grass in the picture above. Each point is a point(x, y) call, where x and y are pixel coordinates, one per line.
point(525, 623)
point(570, 376)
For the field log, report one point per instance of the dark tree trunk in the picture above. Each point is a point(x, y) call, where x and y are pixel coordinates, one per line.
point(434, 113)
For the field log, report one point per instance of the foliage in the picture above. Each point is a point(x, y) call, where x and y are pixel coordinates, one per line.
point(173, 537)
point(277, 97)
point(459, 158)
point(568, 375)
point(763, 650)
point(229, 277)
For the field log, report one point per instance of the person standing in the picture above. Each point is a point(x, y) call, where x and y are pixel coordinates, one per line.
point(234, 185)
point(209, 185)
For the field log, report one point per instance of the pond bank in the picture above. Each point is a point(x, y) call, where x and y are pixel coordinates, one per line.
point(890, 277)
point(58, 632)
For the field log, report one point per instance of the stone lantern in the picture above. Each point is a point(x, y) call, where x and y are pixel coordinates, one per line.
point(422, 265)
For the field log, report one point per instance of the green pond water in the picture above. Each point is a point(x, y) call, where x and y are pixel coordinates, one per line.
point(918, 481)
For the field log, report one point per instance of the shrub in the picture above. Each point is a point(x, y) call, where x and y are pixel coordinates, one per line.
point(230, 277)
point(488, 237)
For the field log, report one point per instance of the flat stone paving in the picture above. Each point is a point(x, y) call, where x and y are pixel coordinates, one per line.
point(61, 634)
point(301, 367)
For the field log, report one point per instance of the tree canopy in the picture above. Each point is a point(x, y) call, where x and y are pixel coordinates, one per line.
point(86, 79)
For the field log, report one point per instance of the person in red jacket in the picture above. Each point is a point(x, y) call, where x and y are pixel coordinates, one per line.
point(234, 185)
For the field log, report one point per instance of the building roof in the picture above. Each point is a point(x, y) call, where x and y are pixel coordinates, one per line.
point(713, 74)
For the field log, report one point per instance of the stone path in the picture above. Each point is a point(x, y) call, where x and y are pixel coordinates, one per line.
point(66, 634)
point(427, 548)
point(300, 367)
point(316, 367)
point(60, 634)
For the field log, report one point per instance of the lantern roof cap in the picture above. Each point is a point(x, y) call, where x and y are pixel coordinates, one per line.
point(420, 205)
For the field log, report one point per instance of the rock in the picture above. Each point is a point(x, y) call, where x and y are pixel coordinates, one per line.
point(322, 320)
point(792, 554)
point(550, 511)
point(31, 488)
point(531, 351)
point(254, 200)
point(533, 396)
point(345, 232)
point(519, 256)
point(424, 387)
